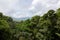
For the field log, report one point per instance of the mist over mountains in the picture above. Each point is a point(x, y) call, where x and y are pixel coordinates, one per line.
point(19, 19)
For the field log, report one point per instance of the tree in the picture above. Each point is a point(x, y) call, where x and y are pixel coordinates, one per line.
point(4, 30)
point(1, 14)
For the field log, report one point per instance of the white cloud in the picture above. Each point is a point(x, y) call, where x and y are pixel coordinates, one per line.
point(42, 6)
point(27, 8)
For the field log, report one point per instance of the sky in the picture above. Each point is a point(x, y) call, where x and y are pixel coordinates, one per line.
point(27, 8)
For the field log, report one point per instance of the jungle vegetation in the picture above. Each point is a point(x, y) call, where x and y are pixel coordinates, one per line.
point(46, 27)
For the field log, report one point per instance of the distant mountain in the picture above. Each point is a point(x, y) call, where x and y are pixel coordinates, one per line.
point(19, 19)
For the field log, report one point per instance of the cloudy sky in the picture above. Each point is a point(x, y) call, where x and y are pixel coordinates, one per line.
point(27, 8)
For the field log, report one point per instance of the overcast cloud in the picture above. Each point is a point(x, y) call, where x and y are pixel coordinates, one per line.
point(27, 8)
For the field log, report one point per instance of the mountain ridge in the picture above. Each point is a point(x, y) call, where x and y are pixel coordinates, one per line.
point(19, 19)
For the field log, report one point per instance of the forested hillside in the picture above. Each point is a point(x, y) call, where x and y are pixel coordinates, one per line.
point(46, 27)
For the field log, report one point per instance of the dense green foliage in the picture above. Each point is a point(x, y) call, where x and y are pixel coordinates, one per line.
point(46, 27)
